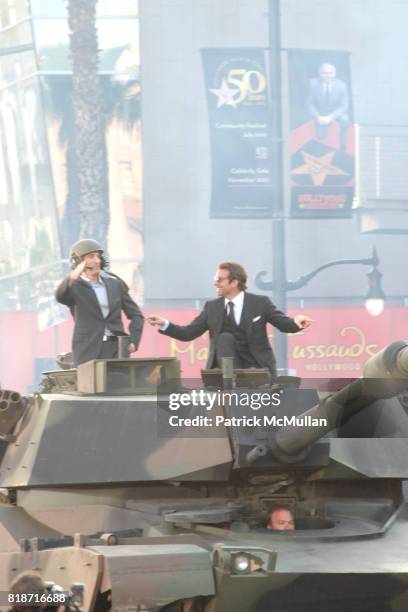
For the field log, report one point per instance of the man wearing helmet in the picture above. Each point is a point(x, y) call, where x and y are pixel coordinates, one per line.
point(96, 300)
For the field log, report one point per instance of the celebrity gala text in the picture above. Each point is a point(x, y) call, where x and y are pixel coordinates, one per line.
point(209, 399)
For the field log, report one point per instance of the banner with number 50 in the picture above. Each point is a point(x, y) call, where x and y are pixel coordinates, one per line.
point(238, 115)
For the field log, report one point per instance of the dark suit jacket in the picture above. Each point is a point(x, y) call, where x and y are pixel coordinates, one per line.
point(211, 319)
point(89, 321)
point(336, 104)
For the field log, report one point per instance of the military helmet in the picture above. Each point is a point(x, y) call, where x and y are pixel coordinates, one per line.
point(85, 246)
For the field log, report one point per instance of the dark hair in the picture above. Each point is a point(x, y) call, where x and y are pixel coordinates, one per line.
point(235, 272)
point(104, 262)
point(27, 582)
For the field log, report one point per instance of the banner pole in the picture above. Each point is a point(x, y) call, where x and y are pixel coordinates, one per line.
point(278, 203)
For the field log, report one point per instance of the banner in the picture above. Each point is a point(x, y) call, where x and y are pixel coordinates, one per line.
point(322, 134)
point(337, 345)
point(238, 115)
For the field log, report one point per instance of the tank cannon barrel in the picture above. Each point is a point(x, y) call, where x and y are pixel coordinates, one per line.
point(391, 363)
point(385, 375)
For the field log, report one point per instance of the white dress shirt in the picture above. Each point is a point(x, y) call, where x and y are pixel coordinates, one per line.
point(238, 302)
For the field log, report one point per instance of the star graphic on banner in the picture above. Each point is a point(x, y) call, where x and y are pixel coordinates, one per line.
point(225, 95)
point(319, 167)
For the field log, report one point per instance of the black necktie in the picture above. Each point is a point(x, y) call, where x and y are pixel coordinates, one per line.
point(231, 317)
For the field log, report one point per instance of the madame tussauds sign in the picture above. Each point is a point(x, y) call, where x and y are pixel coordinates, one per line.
point(340, 341)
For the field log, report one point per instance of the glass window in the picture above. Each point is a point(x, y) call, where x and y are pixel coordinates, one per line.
point(116, 8)
point(28, 208)
point(17, 57)
point(52, 44)
point(48, 8)
point(118, 41)
point(105, 8)
point(12, 11)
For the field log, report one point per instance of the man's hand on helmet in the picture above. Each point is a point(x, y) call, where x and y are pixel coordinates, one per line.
point(76, 272)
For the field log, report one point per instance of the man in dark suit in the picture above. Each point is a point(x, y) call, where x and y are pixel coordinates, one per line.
point(328, 101)
point(236, 322)
point(96, 300)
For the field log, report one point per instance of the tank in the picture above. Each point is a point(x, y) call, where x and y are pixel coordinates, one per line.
point(134, 490)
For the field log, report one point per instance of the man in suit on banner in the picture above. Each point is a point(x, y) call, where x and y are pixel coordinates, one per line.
point(328, 101)
point(96, 299)
point(236, 322)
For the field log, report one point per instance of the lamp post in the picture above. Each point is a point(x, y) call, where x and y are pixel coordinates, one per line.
point(280, 285)
point(374, 300)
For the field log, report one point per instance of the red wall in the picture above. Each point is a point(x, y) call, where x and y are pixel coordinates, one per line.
point(337, 345)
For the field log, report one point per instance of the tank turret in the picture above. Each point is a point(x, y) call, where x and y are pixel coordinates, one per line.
point(151, 495)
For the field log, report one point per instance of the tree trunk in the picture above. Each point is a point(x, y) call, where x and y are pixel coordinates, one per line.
point(90, 147)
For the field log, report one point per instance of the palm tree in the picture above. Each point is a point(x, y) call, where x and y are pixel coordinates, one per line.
point(90, 147)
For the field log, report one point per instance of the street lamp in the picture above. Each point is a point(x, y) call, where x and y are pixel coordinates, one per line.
point(374, 300)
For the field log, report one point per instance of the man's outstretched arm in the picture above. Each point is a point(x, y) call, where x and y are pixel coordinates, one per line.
point(284, 323)
point(196, 328)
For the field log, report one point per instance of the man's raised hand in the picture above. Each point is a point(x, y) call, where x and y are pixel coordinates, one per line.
point(76, 272)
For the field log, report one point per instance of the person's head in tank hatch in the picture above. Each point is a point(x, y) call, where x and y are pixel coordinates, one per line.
point(280, 518)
